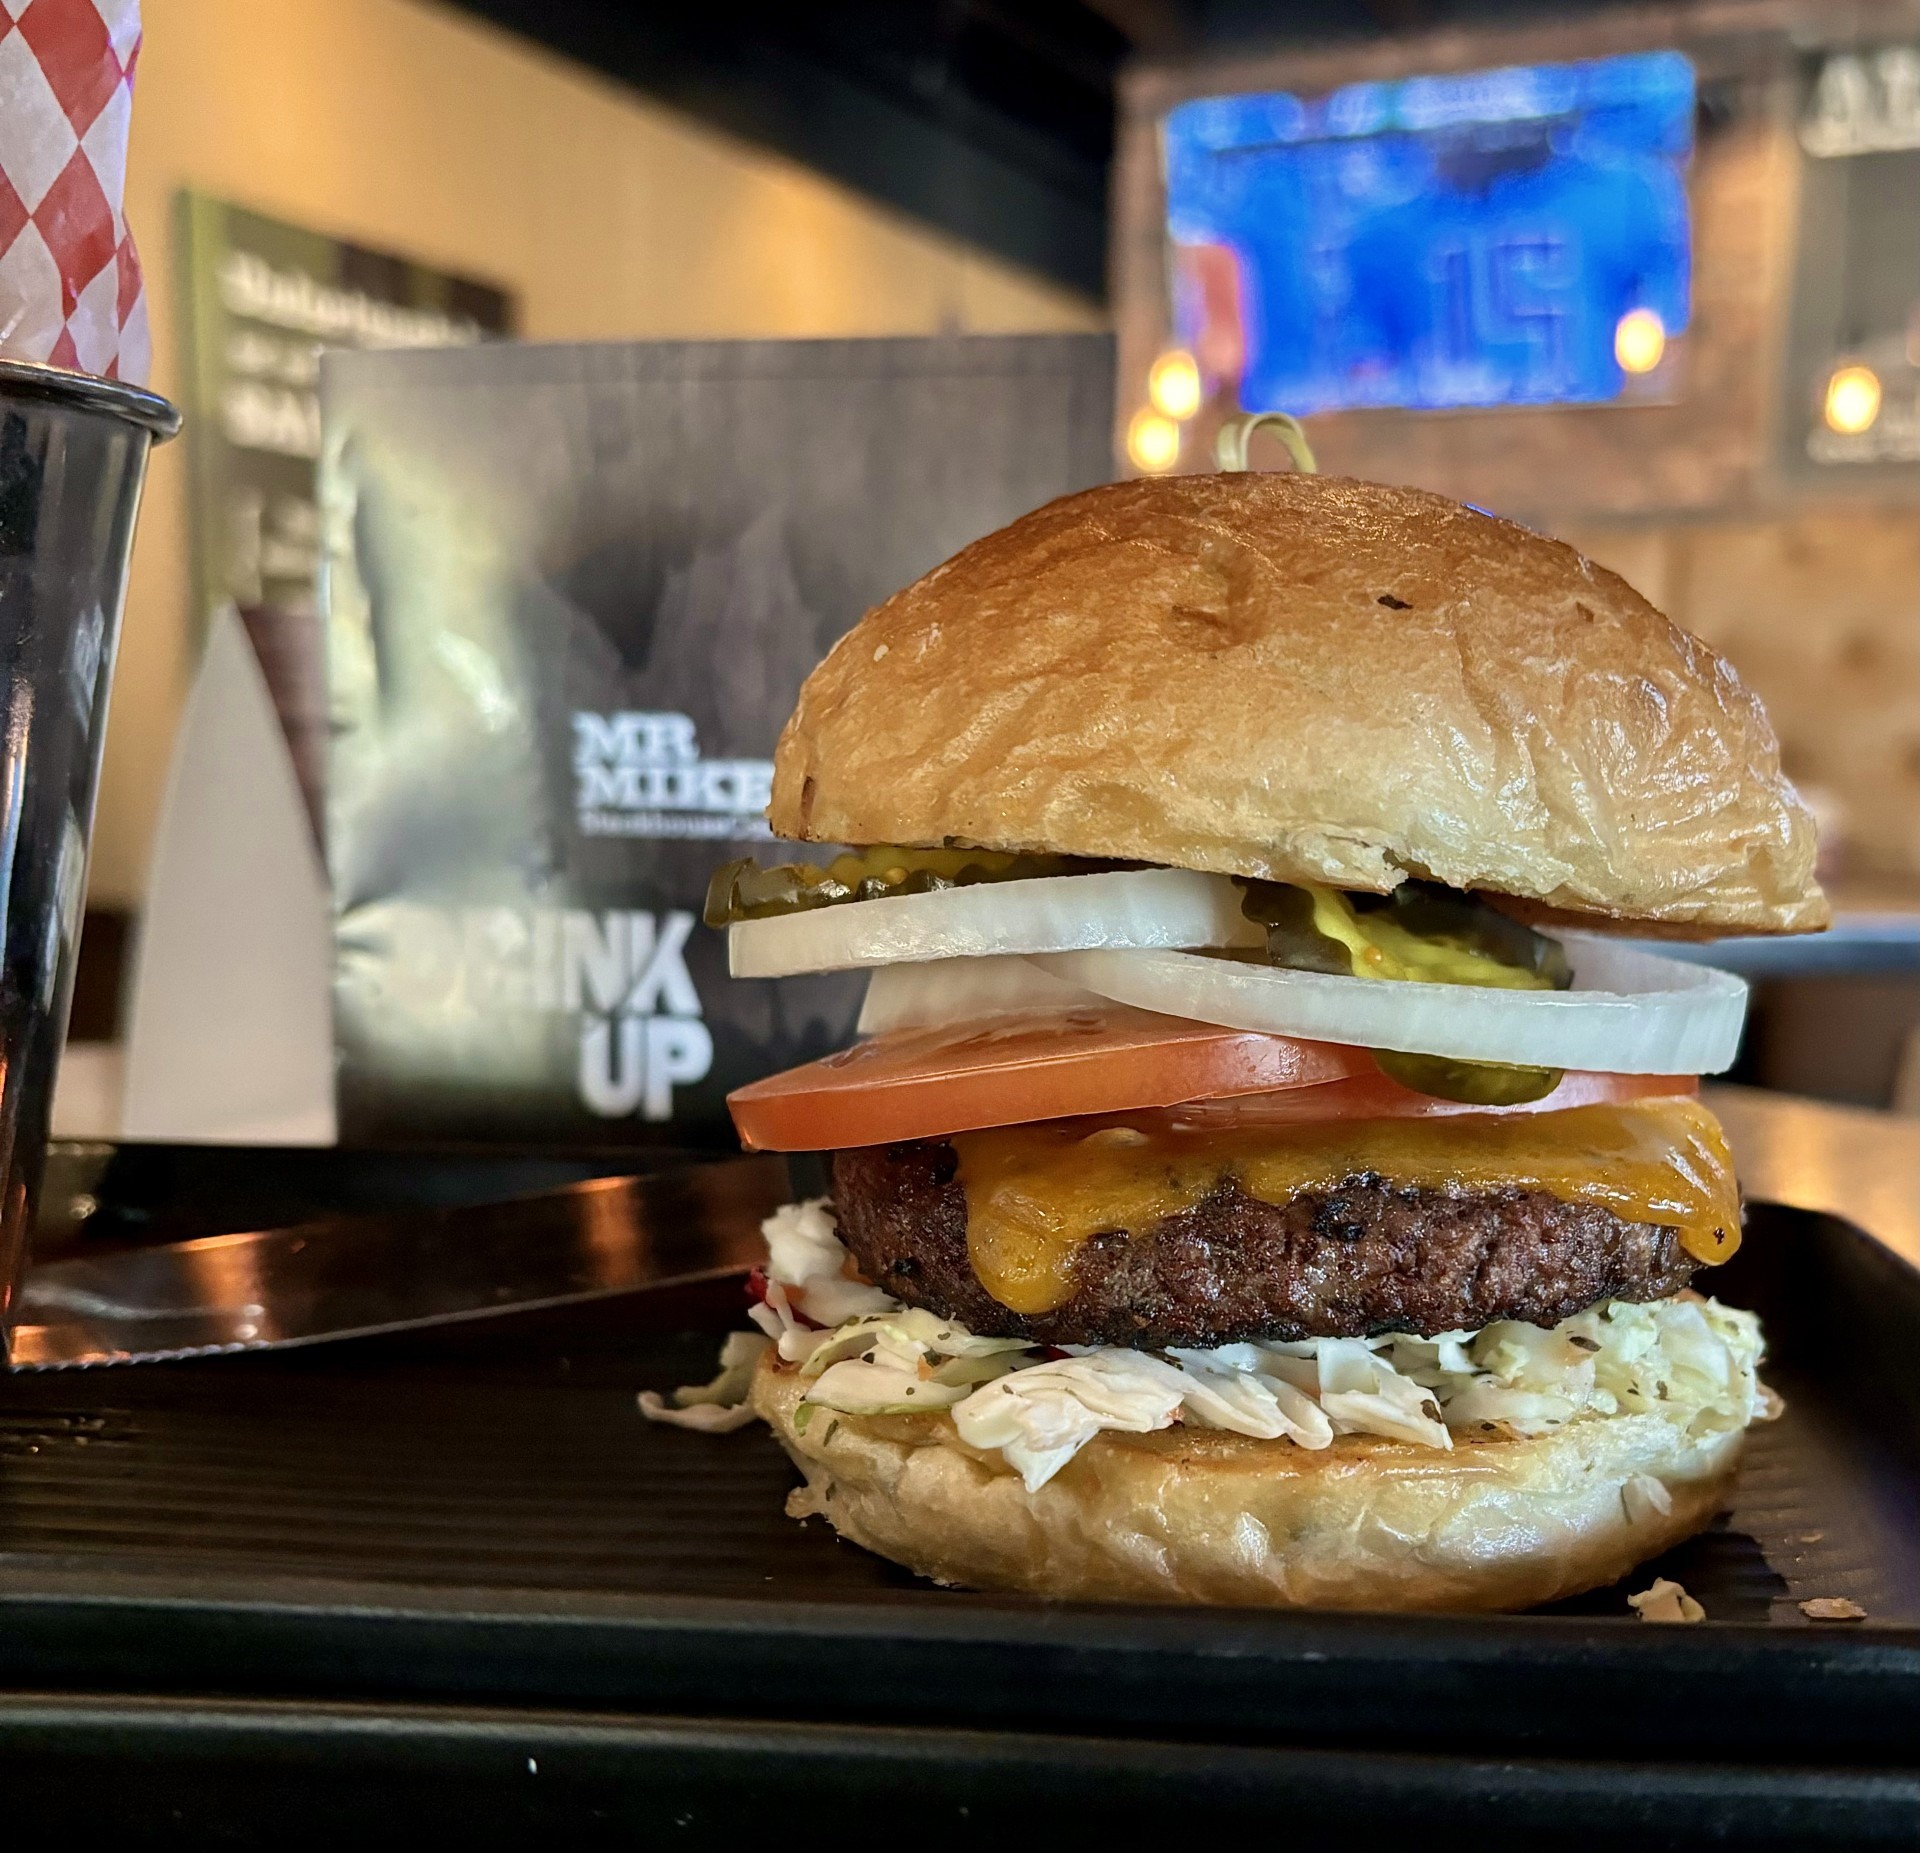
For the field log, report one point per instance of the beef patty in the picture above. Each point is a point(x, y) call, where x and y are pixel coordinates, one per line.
point(1368, 1257)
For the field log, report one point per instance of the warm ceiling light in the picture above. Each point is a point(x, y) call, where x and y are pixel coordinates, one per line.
point(1173, 384)
point(1153, 442)
point(1853, 399)
point(1639, 339)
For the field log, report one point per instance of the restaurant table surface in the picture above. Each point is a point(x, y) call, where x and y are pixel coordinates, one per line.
point(185, 1643)
point(1848, 1161)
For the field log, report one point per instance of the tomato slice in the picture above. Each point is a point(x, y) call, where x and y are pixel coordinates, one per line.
point(1100, 1060)
point(1376, 1096)
point(924, 1083)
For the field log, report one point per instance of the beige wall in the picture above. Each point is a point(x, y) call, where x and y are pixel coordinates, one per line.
point(402, 125)
point(1819, 610)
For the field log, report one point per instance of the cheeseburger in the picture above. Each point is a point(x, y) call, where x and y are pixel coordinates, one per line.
point(1268, 1173)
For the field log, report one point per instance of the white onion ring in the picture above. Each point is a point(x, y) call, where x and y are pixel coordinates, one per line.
point(1049, 913)
point(940, 991)
point(1629, 1012)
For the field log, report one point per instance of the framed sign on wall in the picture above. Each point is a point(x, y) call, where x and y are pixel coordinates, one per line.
point(263, 299)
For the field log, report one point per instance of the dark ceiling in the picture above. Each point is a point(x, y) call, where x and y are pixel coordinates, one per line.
point(992, 119)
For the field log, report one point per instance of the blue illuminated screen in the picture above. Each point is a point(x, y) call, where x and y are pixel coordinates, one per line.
point(1443, 241)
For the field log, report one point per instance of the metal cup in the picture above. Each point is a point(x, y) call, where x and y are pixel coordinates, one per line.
point(73, 454)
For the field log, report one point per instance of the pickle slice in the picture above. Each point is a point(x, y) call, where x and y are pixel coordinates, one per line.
point(1420, 932)
point(743, 890)
point(1425, 933)
point(1432, 912)
point(1480, 1084)
point(1293, 937)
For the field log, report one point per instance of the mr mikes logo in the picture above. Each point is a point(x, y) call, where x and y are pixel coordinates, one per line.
point(641, 775)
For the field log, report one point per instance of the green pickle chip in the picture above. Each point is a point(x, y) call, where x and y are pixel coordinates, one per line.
point(743, 890)
point(1424, 933)
point(1421, 931)
point(1482, 1084)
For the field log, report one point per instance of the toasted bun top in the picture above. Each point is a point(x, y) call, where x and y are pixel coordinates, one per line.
point(1307, 678)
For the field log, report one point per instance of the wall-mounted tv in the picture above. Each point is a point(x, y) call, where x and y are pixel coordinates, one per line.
point(1508, 237)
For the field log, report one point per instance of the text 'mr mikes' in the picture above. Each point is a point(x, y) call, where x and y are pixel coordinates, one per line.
point(641, 775)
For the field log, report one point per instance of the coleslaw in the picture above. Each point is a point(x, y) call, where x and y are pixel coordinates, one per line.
point(1687, 1359)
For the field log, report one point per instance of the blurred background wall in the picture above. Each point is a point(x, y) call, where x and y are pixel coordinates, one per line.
point(1700, 496)
point(414, 127)
point(908, 167)
point(853, 167)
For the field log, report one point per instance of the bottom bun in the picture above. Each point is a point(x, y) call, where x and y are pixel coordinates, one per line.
point(1201, 1516)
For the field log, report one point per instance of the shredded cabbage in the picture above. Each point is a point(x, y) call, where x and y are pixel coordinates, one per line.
point(1361, 1390)
point(807, 1258)
point(903, 1361)
point(717, 1407)
point(1040, 1418)
point(1689, 1360)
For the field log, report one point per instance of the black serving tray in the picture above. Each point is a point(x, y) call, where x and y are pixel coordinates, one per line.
point(444, 1554)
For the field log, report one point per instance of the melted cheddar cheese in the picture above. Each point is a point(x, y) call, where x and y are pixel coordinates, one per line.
point(1037, 1193)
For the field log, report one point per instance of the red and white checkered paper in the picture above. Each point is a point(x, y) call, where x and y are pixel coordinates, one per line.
point(70, 288)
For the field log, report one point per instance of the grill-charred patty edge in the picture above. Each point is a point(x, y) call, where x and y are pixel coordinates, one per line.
point(1367, 1257)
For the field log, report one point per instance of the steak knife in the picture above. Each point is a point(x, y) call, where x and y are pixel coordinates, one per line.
point(352, 1276)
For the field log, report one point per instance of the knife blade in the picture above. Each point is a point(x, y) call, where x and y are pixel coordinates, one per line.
point(352, 1276)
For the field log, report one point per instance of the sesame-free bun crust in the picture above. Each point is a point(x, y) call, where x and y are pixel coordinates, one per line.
point(1307, 678)
point(1200, 1516)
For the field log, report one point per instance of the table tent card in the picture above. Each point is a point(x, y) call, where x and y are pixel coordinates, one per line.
point(571, 595)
